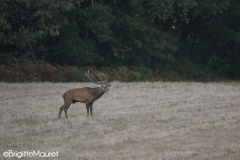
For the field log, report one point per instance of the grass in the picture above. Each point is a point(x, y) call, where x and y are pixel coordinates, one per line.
point(131, 121)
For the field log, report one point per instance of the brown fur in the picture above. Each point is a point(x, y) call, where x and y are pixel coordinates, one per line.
point(84, 95)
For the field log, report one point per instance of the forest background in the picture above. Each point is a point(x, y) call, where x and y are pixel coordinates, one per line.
point(134, 40)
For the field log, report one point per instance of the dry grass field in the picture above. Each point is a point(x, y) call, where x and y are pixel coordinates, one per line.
point(159, 120)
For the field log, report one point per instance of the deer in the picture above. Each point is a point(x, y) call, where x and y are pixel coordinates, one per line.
point(85, 95)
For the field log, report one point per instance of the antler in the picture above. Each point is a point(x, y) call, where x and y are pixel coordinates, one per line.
point(100, 76)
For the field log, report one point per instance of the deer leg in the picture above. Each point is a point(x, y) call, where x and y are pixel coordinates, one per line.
point(61, 109)
point(66, 108)
point(87, 107)
point(91, 109)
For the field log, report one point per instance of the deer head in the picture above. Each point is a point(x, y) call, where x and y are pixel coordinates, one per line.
point(103, 83)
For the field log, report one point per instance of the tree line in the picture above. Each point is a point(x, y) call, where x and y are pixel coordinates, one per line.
point(190, 39)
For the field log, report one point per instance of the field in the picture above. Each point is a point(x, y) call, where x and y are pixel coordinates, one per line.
point(160, 120)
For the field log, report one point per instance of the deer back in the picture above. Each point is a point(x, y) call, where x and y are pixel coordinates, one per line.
point(78, 95)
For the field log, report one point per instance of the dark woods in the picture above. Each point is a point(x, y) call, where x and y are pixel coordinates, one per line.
point(187, 39)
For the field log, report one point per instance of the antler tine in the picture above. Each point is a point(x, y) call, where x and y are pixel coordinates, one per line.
point(99, 81)
point(87, 74)
point(100, 77)
point(105, 78)
point(92, 79)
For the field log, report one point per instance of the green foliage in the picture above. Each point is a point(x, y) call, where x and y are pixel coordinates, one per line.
point(72, 49)
point(74, 76)
point(135, 74)
point(184, 39)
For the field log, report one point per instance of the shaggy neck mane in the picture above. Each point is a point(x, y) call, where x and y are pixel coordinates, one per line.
point(97, 92)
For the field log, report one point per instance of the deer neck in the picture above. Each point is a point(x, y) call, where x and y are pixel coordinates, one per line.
point(97, 93)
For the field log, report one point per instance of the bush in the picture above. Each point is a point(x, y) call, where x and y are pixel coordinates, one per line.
point(78, 75)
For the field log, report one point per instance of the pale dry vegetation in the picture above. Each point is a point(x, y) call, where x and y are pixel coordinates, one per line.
point(131, 121)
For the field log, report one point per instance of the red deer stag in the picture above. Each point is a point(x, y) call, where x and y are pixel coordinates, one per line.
point(85, 95)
